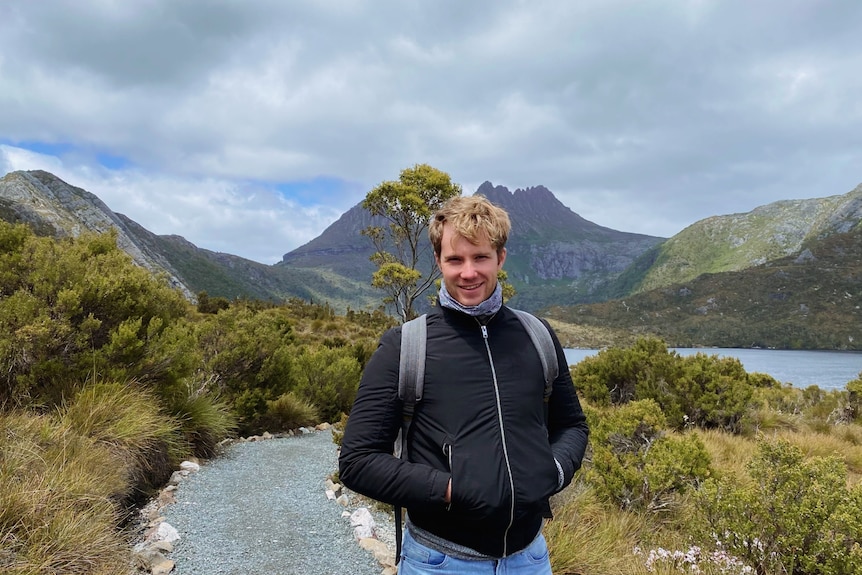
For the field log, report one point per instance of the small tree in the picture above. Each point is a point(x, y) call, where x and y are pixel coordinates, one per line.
point(400, 248)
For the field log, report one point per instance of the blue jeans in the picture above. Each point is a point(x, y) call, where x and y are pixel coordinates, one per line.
point(419, 559)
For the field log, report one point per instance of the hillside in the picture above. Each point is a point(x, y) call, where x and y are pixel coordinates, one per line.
point(783, 275)
point(808, 300)
point(739, 241)
point(554, 255)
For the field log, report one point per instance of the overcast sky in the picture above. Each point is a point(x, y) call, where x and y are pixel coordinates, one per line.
point(248, 126)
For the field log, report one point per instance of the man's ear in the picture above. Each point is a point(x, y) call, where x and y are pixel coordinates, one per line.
point(502, 257)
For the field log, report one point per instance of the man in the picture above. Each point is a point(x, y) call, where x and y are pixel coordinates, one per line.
point(485, 450)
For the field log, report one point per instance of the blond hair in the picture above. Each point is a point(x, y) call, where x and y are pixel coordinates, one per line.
point(473, 218)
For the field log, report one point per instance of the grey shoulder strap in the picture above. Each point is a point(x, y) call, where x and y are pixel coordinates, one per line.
point(544, 344)
point(411, 382)
point(411, 366)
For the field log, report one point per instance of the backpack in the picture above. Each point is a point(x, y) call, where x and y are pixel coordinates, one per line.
point(411, 378)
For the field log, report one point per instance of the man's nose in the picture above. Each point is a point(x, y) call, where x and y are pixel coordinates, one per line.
point(469, 270)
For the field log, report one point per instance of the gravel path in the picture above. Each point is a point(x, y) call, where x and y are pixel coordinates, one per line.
point(261, 508)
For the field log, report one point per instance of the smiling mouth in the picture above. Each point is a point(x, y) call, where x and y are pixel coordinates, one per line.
point(471, 287)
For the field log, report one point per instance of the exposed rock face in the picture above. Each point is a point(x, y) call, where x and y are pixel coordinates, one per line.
point(53, 207)
point(551, 241)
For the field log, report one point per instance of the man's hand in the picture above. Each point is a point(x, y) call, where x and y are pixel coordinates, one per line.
point(448, 498)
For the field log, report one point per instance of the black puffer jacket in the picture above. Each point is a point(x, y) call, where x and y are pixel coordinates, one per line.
point(481, 423)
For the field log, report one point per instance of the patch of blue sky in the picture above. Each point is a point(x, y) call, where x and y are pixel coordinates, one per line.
point(320, 190)
point(112, 162)
point(45, 148)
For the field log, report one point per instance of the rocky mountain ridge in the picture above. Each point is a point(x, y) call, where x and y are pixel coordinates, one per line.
point(551, 248)
point(54, 208)
point(556, 257)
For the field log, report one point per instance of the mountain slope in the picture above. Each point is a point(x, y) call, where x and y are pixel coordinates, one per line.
point(739, 241)
point(553, 253)
point(54, 208)
point(808, 300)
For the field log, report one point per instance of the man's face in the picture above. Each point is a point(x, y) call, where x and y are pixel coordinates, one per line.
point(469, 270)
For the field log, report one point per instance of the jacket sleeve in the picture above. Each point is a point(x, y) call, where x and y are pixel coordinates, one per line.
point(366, 463)
point(567, 424)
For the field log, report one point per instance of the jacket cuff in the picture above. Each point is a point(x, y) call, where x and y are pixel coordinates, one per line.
point(561, 476)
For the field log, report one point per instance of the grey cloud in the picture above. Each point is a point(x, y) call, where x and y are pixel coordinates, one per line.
point(691, 108)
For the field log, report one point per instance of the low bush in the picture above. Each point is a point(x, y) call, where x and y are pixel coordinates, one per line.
point(700, 390)
point(129, 422)
point(288, 412)
point(328, 378)
point(637, 464)
point(791, 514)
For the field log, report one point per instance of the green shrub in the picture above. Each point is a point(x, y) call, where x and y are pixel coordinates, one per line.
point(73, 308)
point(790, 515)
point(701, 390)
point(288, 412)
point(248, 353)
point(638, 465)
point(329, 378)
point(617, 376)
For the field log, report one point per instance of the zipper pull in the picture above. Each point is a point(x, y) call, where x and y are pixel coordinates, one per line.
point(485, 331)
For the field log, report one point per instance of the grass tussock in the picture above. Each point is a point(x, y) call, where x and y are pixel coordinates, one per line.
point(203, 421)
point(729, 453)
point(128, 422)
point(289, 412)
point(54, 515)
point(587, 537)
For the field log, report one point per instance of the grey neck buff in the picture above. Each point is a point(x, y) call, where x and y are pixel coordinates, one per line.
point(487, 308)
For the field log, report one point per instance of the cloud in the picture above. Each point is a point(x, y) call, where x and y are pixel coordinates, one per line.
point(644, 116)
point(250, 220)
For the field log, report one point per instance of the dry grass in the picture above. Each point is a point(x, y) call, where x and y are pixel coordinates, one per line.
point(588, 538)
point(55, 516)
point(64, 478)
point(127, 421)
point(840, 442)
point(586, 336)
point(728, 453)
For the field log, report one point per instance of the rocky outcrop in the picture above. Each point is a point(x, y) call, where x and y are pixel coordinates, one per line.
point(54, 208)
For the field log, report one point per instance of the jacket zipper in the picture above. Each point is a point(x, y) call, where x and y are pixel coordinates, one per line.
point(447, 450)
point(503, 438)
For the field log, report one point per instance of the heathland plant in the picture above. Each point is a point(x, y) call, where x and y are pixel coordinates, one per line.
point(329, 378)
point(55, 512)
point(700, 390)
point(792, 514)
point(128, 421)
point(636, 463)
point(289, 412)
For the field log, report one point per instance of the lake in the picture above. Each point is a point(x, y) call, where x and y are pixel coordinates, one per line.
point(825, 369)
